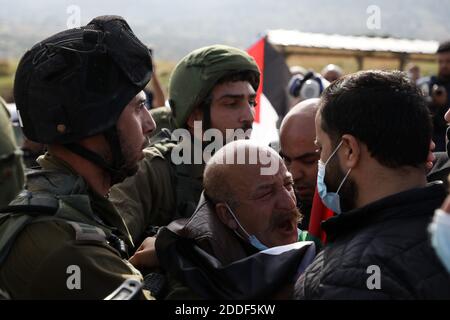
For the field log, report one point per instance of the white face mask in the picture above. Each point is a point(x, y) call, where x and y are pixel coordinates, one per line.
point(330, 199)
point(252, 239)
point(440, 236)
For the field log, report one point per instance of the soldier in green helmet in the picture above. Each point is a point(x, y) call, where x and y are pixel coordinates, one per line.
point(79, 92)
point(11, 167)
point(215, 85)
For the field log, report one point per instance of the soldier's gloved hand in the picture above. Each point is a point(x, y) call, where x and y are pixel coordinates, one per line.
point(145, 256)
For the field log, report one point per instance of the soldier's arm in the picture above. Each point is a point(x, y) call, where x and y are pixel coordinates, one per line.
point(81, 271)
point(48, 262)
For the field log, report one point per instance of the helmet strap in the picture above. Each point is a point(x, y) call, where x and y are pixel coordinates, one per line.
point(116, 169)
point(89, 155)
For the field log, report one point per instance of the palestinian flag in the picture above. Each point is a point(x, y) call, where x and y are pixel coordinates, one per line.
point(272, 96)
point(319, 213)
point(272, 106)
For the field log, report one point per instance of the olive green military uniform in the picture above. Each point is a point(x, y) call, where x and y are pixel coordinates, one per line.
point(164, 119)
point(11, 168)
point(82, 233)
point(159, 192)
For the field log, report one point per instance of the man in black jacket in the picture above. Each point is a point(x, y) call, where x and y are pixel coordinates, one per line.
point(374, 132)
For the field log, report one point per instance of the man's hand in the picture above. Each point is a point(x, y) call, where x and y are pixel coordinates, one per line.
point(145, 256)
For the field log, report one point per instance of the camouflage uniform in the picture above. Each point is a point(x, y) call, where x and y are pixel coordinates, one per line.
point(84, 230)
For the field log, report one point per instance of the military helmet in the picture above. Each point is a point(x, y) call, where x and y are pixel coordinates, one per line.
point(11, 168)
point(76, 83)
point(196, 75)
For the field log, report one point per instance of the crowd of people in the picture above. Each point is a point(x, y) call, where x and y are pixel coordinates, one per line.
point(126, 194)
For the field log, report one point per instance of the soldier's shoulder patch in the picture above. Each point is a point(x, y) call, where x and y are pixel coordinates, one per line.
point(87, 232)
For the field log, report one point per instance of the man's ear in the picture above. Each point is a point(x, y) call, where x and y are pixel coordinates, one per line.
point(225, 216)
point(196, 115)
point(352, 151)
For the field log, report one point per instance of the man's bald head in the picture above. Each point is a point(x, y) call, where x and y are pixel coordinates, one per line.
point(300, 115)
point(230, 168)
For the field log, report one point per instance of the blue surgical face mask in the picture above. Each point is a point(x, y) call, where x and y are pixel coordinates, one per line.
point(440, 236)
point(254, 241)
point(330, 199)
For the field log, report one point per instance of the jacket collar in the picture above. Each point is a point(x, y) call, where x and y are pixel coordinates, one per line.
point(50, 162)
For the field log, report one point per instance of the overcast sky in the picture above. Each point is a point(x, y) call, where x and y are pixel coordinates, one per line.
point(174, 27)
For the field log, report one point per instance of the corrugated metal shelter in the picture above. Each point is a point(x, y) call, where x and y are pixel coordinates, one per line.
point(292, 42)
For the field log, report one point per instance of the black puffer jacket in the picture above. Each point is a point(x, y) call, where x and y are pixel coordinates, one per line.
point(390, 233)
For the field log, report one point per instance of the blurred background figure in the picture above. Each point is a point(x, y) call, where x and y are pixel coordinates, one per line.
point(18, 134)
point(413, 71)
point(436, 89)
point(295, 70)
point(31, 149)
point(154, 91)
point(307, 86)
point(298, 70)
point(332, 72)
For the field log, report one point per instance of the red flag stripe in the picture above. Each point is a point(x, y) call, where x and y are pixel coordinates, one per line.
point(257, 52)
point(319, 213)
